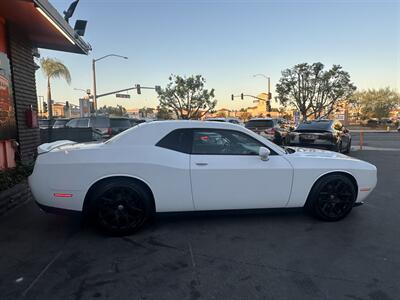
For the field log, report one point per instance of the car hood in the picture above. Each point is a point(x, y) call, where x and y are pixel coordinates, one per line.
point(311, 152)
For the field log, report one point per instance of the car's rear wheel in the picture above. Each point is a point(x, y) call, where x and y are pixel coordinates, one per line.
point(121, 207)
point(332, 197)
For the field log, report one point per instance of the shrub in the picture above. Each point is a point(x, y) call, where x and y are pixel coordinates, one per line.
point(11, 177)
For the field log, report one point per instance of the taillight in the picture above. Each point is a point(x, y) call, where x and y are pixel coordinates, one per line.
point(109, 131)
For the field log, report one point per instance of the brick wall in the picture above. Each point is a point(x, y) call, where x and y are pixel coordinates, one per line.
point(24, 85)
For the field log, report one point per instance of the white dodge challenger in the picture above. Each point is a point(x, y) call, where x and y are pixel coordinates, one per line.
point(172, 166)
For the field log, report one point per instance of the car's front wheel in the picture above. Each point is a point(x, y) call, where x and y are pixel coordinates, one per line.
point(332, 197)
point(121, 207)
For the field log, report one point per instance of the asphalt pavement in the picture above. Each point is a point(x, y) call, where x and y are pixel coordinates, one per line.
point(265, 255)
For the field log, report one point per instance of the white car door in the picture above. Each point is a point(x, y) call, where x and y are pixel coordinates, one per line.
point(227, 173)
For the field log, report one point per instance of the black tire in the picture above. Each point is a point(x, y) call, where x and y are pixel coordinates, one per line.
point(348, 148)
point(121, 207)
point(338, 147)
point(331, 198)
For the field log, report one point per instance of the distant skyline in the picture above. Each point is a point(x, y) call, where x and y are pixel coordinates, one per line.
point(227, 42)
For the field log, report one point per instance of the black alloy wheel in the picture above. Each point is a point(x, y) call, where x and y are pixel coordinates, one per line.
point(332, 198)
point(121, 207)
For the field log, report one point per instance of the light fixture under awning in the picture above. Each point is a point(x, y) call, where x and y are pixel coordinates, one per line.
point(42, 25)
point(55, 25)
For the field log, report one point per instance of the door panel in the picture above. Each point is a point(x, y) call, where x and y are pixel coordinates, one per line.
point(239, 181)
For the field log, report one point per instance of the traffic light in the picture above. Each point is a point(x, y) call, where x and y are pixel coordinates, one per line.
point(158, 88)
point(138, 89)
point(66, 104)
point(241, 96)
point(269, 96)
point(44, 107)
point(232, 97)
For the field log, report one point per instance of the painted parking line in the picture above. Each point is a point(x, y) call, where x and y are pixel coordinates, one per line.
point(368, 148)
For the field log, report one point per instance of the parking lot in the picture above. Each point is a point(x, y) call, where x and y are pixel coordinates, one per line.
point(263, 255)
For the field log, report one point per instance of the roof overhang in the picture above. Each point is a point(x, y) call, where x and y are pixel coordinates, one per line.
point(43, 25)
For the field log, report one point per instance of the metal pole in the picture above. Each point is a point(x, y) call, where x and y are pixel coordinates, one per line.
point(94, 86)
point(269, 85)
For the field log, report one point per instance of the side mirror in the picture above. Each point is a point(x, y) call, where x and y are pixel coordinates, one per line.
point(264, 153)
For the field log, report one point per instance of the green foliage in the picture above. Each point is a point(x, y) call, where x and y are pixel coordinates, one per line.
point(53, 68)
point(119, 110)
point(164, 114)
point(11, 177)
point(145, 111)
point(187, 97)
point(376, 103)
point(312, 90)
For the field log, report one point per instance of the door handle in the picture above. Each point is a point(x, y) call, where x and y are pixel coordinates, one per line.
point(201, 164)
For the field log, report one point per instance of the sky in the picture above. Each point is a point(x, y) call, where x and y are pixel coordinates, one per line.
point(227, 42)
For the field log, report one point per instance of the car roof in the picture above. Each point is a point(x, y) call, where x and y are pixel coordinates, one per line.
point(150, 133)
point(320, 121)
point(260, 119)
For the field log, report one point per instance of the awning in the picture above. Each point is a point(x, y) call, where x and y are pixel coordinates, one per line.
point(44, 26)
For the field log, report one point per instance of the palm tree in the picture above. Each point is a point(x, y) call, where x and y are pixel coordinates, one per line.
point(53, 68)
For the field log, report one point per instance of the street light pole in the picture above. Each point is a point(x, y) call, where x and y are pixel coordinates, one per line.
point(94, 85)
point(94, 76)
point(268, 81)
point(268, 98)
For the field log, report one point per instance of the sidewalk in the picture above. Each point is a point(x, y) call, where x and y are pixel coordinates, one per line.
point(369, 148)
point(372, 130)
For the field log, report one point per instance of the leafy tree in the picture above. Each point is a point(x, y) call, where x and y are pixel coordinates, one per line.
point(312, 90)
point(245, 116)
point(53, 68)
point(220, 114)
point(119, 110)
point(187, 97)
point(376, 103)
point(164, 114)
point(144, 111)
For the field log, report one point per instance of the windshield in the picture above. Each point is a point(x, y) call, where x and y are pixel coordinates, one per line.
point(260, 123)
point(314, 126)
point(120, 123)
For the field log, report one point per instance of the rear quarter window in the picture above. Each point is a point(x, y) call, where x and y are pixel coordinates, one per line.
point(178, 140)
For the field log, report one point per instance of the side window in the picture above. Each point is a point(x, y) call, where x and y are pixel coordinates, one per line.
point(224, 142)
point(177, 140)
point(73, 123)
point(82, 123)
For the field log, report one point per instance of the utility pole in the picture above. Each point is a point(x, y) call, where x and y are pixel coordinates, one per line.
point(94, 85)
point(94, 60)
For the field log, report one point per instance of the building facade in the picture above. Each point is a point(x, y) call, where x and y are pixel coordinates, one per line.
point(26, 25)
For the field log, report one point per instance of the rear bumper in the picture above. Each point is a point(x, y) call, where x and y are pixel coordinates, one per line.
point(58, 211)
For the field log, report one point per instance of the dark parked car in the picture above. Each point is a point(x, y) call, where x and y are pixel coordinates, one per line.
point(230, 120)
point(46, 123)
point(269, 128)
point(323, 134)
point(135, 122)
point(103, 127)
point(60, 123)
